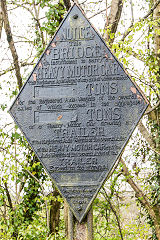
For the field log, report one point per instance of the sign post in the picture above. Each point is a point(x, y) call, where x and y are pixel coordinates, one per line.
point(80, 231)
point(77, 110)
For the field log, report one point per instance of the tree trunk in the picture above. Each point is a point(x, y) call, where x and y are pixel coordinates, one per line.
point(113, 20)
point(66, 212)
point(1, 19)
point(67, 4)
point(11, 42)
point(54, 213)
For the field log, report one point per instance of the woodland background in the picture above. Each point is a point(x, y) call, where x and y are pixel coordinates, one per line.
point(128, 205)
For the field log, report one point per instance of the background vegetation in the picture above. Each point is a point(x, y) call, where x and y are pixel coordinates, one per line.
point(128, 206)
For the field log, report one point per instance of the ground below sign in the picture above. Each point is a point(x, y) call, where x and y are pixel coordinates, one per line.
point(77, 110)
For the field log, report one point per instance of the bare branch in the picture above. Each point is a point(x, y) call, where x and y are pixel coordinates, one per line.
point(106, 25)
point(83, 2)
point(115, 213)
point(76, 1)
point(38, 24)
point(8, 196)
point(129, 30)
point(141, 197)
point(25, 7)
point(151, 85)
point(11, 43)
point(153, 108)
point(20, 190)
point(139, 193)
point(132, 11)
point(98, 13)
point(13, 68)
point(147, 137)
point(152, 9)
point(35, 17)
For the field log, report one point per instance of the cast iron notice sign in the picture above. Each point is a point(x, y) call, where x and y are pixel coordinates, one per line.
point(77, 110)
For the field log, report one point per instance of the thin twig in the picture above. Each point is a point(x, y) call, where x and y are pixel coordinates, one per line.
point(13, 68)
point(115, 213)
point(147, 136)
point(97, 13)
point(38, 24)
point(83, 2)
point(8, 195)
point(132, 11)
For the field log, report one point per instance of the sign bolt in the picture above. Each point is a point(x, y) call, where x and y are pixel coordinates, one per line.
point(75, 16)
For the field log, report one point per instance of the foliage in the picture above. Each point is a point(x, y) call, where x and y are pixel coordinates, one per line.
point(21, 211)
point(54, 16)
point(115, 212)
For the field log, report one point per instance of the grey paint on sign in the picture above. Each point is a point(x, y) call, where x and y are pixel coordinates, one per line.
point(77, 110)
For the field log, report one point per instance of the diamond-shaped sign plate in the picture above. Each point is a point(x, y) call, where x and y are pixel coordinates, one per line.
point(77, 110)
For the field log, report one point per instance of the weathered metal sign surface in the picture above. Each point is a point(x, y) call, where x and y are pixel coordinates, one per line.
point(77, 110)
